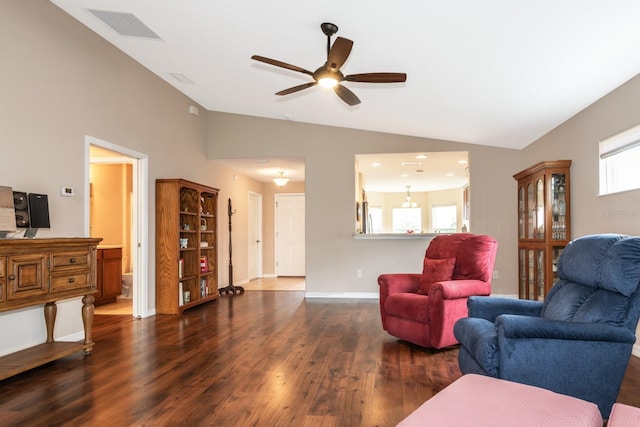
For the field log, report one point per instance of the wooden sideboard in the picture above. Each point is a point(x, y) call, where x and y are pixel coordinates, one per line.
point(42, 271)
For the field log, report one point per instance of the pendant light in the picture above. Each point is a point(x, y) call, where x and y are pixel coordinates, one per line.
point(281, 180)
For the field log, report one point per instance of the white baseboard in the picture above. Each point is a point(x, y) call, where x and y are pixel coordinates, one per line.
point(369, 295)
point(343, 295)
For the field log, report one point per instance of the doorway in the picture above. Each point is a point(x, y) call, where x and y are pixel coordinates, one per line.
point(135, 236)
point(290, 234)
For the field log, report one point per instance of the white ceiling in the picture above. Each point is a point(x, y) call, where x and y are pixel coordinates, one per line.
point(496, 72)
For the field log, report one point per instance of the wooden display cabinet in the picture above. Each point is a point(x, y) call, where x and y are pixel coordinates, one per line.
point(544, 225)
point(186, 245)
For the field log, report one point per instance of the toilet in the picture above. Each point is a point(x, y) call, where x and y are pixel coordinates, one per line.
point(127, 284)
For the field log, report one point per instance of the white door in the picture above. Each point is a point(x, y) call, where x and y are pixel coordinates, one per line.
point(290, 238)
point(255, 236)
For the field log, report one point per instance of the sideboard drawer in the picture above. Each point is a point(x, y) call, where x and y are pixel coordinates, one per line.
point(65, 282)
point(65, 260)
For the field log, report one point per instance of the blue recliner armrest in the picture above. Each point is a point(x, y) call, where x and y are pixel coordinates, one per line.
point(514, 326)
point(490, 308)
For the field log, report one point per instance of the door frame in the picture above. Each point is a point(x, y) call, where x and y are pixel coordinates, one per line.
point(140, 227)
point(255, 217)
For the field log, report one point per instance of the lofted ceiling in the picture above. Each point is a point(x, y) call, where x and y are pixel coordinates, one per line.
point(498, 72)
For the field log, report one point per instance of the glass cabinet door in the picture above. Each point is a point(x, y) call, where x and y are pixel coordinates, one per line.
point(522, 213)
point(530, 211)
point(558, 207)
point(522, 273)
point(540, 274)
point(531, 275)
point(539, 208)
point(555, 255)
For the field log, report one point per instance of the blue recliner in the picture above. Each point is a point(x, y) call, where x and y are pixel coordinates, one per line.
point(579, 340)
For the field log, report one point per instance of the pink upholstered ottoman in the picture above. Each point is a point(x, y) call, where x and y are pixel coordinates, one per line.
point(624, 416)
point(476, 400)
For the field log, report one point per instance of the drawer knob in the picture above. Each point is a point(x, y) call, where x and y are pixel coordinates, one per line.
point(71, 280)
point(72, 260)
point(12, 277)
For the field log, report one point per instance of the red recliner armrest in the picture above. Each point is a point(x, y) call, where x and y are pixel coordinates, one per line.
point(393, 284)
point(447, 304)
point(453, 289)
point(399, 283)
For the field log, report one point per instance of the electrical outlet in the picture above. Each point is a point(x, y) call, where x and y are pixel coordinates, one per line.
point(358, 274)
point(496, 274)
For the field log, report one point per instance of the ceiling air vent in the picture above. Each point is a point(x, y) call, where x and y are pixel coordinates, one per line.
point(125, 24)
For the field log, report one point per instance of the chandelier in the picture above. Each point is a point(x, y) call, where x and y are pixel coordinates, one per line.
point(281, 180)
point(408, 203)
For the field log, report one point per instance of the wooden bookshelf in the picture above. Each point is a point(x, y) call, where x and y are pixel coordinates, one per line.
point(186, 233)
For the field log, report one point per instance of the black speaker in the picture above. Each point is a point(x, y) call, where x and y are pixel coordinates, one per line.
point(21, 206)
point(38, 211)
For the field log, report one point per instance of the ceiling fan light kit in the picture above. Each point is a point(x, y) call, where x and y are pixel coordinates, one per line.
point(329, 75)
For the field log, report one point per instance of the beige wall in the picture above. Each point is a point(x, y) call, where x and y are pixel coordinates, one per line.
point(333, 255)
point(107, 219)
point(110, 207)
point(577, 140)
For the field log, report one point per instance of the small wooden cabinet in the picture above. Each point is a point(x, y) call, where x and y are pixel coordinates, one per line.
point(544, 225)
point(43, 271)
point(186, 245)
point(109, 275)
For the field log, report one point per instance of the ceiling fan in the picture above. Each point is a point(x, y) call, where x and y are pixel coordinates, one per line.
point(329, 75)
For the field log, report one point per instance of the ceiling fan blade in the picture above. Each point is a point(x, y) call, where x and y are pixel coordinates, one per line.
point(346, 95)
point(281, 64)
point(296, 88)
point(377, 77)
point(339, 53)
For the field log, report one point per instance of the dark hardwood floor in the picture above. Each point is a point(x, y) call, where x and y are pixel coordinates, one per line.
point(264, 358)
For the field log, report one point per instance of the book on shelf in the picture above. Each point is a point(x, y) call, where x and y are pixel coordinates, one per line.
point(204, 266)
point(180, 294)
point(203, 287)
point(181, 268)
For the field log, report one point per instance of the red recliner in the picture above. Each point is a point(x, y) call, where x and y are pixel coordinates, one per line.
point(422, 308)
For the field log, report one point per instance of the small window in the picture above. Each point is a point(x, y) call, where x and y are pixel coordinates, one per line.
point(407, 220)
point(619, 161)
point(444, 219)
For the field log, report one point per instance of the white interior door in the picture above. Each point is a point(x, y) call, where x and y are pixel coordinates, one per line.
point(255, 236)
point(290, 235)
